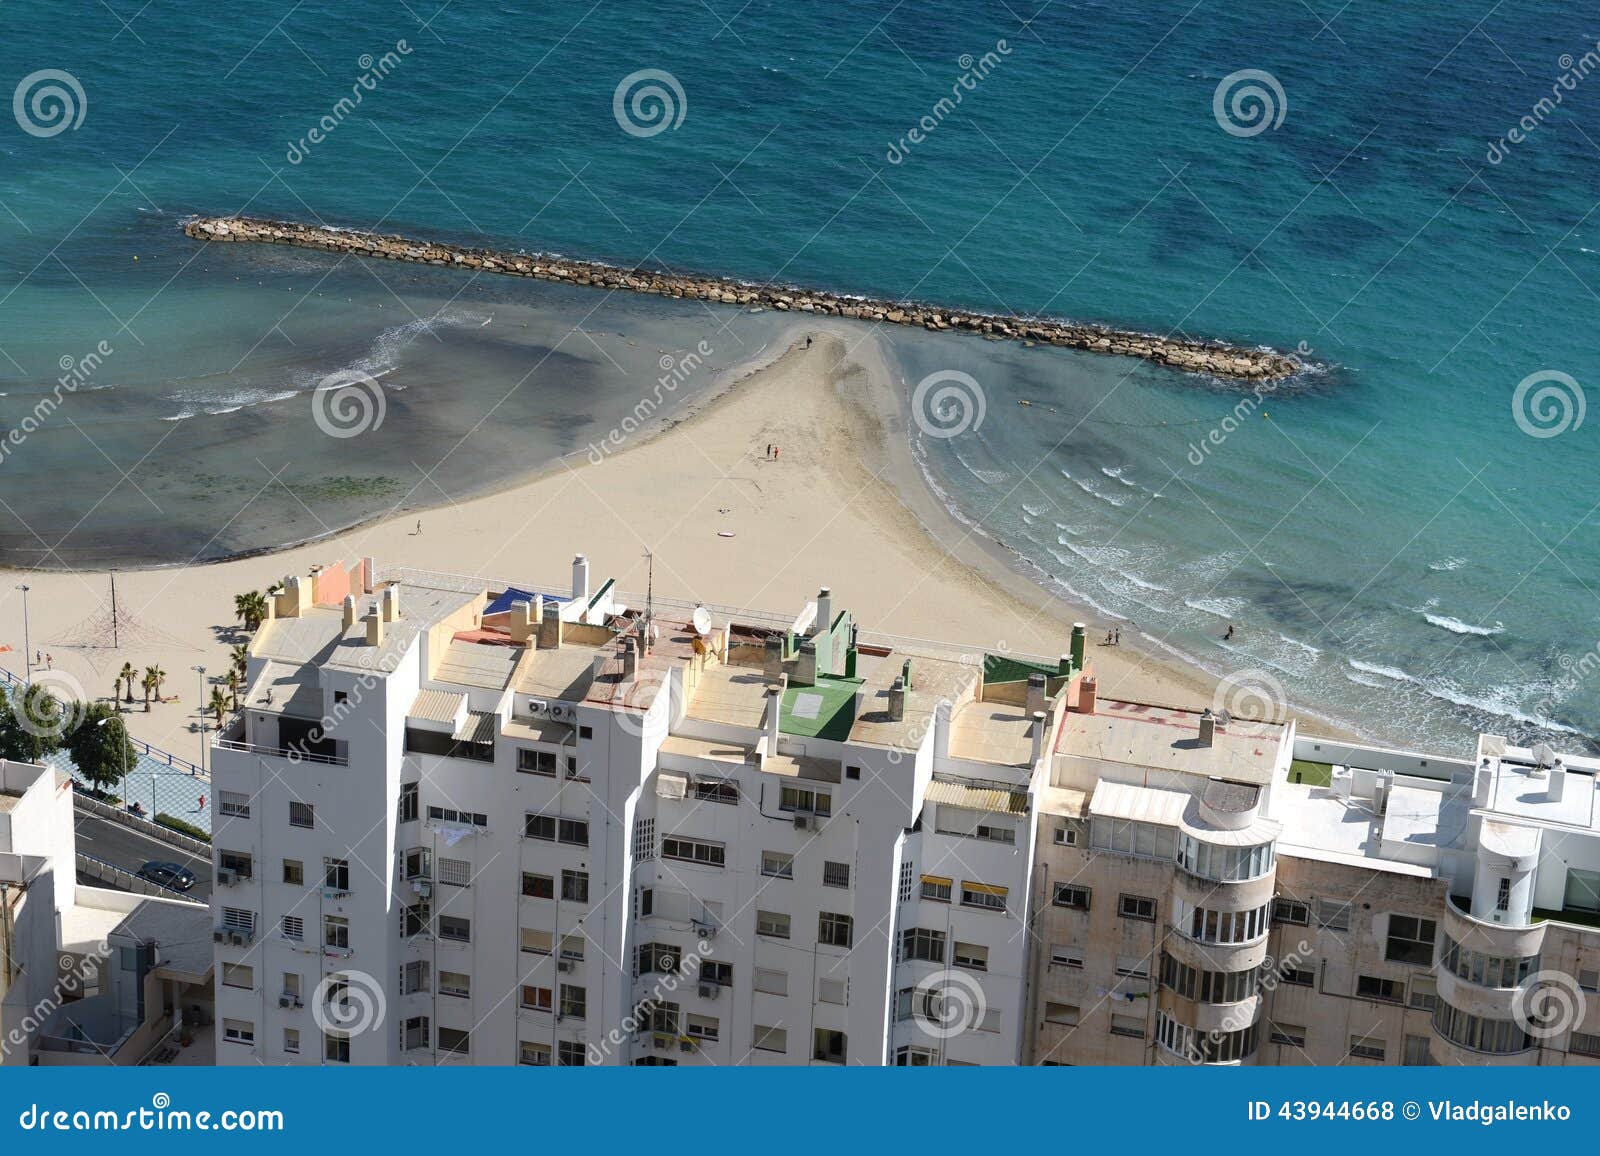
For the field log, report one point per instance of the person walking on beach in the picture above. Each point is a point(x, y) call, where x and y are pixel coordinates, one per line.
point(1226, 637)
point(49, 661)
point(419, 527)
point(808, 343)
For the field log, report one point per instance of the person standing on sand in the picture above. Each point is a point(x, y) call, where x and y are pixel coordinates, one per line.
point(419, 527)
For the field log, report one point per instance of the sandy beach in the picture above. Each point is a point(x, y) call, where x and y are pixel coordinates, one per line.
point(844, 505)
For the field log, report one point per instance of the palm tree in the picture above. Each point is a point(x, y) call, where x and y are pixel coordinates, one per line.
point(234, 682)
point(240, 657)
point(127, 675)
point(218, 704)
point(157, 676)
point(148, 683)
point(251, 607)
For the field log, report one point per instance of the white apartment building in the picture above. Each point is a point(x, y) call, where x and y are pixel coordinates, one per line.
point(1212, 891)
point(459, 823)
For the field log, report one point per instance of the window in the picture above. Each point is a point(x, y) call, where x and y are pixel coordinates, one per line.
point(426, 742)
point(1135, 966)
point(1071, 895)
point(336, 874)
point(456, 928)
point(539, 827)
point(716, 790)
point(537, 942)
point(455, 872)
point(540, 999)
point(720, 974)
point(239, 919)
point(1065, 955)
point(972, 956)
point(1584, 1044)
point(291, 1041)
point(777, 864)
point(417, 919)
point(984, 895)
point(1297, 976)
point(1366, 1048)
point(454, 1041)
point(233, 804)
point(769, 1039)
point(335, 1048)
point(575, 886)
point(451, 815)
point(294, 872)
point(834, 930)
point(1589, 979)
point(238, 975)
point(408, 802)
point(1372, 987)
point(586, 732)
point(918, 943)
point(1198, 1047)
point(301, 814)
point(828, 1046)
point(1068, 834)
point(657, 958)
point(1410, 941)
point(1223, 864)
point(773, 924)
point(291, 985)
point(336, 932)
point(1143, 840)
point(573, 831)
point(907, 879)
point(574, 1001)
point(455, 983)
point(570, 1053)
point(1333, 915)
point(835, 874)
point(995, 833)
point(535, 1055)
point(806, 802)
point(644, 838)
point(536, 762)
point(772, 981)
point(294, 927)
point(1065, 1014)
point(239, 1031)
point(415, 1033)
point(1209, 926)
point(1424, 992)
point(693, 850)
point(1483, 969)
point(1289, 1035)
point(1480, 1033)
point(572, 770)
point(419, 863)
point(572, 946)
point(414, 977)
point(1416, 1054)
point(240, 863)
point(834, 991)
point(1291, 911)
point(1502, 899)
point(1212, 987)
point(702, 1027)
point(1130, 1026)
point(852, 772)
point(339, 696)
point(1137, 907)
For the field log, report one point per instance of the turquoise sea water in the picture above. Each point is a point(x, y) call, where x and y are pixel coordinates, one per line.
point(1393, 547)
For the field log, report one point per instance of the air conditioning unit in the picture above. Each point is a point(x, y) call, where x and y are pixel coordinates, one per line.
point(226, 877)
point(686, 1045)
point(237, 937)
point(559, 712)
point(705, 930)
point(709, 990)
point(563, 965)
point(538, 708)
point(287, 1000)
point(805, 821)
point(422, 887)
point(219, 935)
point(662, 1042)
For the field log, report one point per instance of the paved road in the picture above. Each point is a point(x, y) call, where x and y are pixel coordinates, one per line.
point(130, 849)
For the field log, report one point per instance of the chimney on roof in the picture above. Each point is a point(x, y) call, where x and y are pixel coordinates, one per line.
point(1036, 694)
point(1041, 730)
point(1483, 784)
point(1208, 728)
point(774, 715)
point(1065, 666)
point(374, 623)
point(391, 602)
point(521, 622)
point(824, 611)
point(349, 611)
point(772, 661)
point(897, 700)
point(550, 627)
point(1080, 639)
point(1558, 780)
point(580, 578)
point(630, 658)
point(366, 575)
point(1086, 696)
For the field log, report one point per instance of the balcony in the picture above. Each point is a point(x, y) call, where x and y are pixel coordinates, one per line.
point(292, 755)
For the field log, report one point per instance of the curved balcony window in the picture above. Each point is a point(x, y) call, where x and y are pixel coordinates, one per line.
point(1208, 926)
point(1479, 1033)
point(1224, 864)
point(1201, 1047)
point(1484, 969)
point(1208, 986)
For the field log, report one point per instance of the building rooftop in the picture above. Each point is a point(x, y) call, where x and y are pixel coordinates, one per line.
point(1168, 739)
point(181, 932)
point(732, 695)
point(934, 678)
point(319, 636)
point(992, 732)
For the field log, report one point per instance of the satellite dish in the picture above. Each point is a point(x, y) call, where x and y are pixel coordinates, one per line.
point(702, 621)
point(1544, 755)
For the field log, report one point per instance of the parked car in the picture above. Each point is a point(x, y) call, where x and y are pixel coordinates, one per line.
point(171, 875)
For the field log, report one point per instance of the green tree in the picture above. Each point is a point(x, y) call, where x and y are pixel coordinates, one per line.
point(240, 657)
point(126, 674)
point(100, 748)
point(31, 724)
point(251, 608)
point(218, 704)
point(148, 684)
point(234, 682)
point(157, 677)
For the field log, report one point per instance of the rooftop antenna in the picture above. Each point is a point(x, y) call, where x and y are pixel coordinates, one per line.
point(649, 598)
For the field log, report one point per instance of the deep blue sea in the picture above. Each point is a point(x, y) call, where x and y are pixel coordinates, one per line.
point(1391, 544)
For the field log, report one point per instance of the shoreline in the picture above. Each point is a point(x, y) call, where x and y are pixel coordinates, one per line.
point(1214, 358)
point(844, 505)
